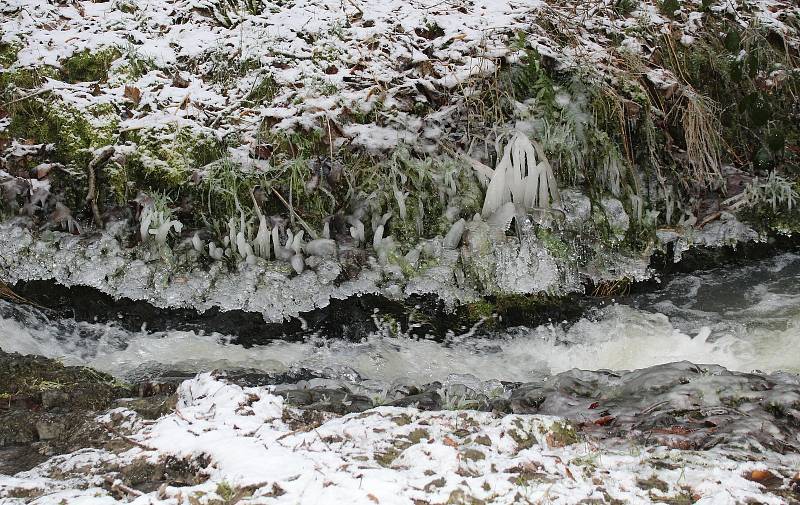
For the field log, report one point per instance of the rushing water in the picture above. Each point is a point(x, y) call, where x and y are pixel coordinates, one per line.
point(745, 319)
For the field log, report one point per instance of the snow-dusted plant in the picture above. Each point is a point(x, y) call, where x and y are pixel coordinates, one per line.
point(455, 401)
point(774, 190)
point(523, 176)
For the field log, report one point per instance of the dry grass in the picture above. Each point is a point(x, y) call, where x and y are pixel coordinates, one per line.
point(701, 133)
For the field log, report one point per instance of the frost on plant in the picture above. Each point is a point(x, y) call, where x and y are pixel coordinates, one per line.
point(775, 191)
point(523, 176)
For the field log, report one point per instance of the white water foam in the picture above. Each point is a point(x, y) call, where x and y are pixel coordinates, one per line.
point(747, 319)
point(620, 337)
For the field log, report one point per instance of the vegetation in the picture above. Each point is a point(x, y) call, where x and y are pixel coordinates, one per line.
point(649, 152)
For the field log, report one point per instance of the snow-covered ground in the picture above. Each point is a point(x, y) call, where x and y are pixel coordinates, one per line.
point(243, 445)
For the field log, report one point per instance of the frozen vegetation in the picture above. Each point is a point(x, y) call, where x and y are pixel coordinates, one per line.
point(496, 156)
point(271, 156)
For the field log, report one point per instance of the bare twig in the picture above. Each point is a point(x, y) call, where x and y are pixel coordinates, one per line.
point(291, 210)
point(99, 160)
point(26, 97)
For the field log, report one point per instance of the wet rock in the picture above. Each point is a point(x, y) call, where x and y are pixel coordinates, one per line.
point(681, 405)
point(427, 400)
point(48, 408)
point(615, 214)
point(337, 401)
point(49, 427)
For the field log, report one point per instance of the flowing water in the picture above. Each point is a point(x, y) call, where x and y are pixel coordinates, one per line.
point(744, 318)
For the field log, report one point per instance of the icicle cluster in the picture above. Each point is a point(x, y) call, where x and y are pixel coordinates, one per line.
point(523, 177)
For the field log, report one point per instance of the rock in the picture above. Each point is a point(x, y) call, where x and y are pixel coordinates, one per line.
point(49, 428)
point(54, 398)
point(52, 408)
point(428, 400)
point(618, 219)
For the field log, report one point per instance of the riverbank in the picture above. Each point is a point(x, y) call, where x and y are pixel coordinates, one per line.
point(194, 452)
point(483, 151)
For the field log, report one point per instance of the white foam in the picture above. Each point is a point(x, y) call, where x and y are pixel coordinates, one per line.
point(620, 337)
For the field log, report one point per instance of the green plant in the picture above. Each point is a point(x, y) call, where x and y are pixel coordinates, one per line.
point(89, 66)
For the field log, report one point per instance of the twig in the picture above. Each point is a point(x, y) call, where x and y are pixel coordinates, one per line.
point(99, 160)
point(118, 486)
point(31, 95)
point(128, 439)
point(291, 209)
point(8, 294)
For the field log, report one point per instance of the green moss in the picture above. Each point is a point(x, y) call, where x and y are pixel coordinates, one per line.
point(418, 435)
point(481, 309)
point(20, 82)
point(554, 243)
point(74, 135)
point(386, 457)
point(163, 160)
point(29, 376)
point(561, 434)
point(88, 66)
point(8, 54)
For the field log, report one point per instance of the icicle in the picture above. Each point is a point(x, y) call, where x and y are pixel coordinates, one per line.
point(243, 248)
point(298, 263)
point(297, 242)
point(163, 229)
point(413, 256)
point(501, 218)
point(144, 223)
point(214, 251)
point(322, 247)
point(498, 193)
point(420, 217)
point(261, 243)
point(282, 253)
point(357, 232)
point(326, 230)
point(231, 232)
point(453, 237)
point(523, 176)
point(197, 243)
point(401, 203)
point(377, 238)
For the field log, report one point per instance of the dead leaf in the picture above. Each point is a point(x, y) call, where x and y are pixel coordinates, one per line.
point(373, 498)
point(761, 476)
point(178, 81)
point(450, 442)
point(604, 421)
point(133, 94)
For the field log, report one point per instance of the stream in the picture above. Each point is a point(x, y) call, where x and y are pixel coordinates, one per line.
point(745, 318)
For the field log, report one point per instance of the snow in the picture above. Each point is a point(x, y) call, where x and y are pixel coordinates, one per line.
point(244, 438)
